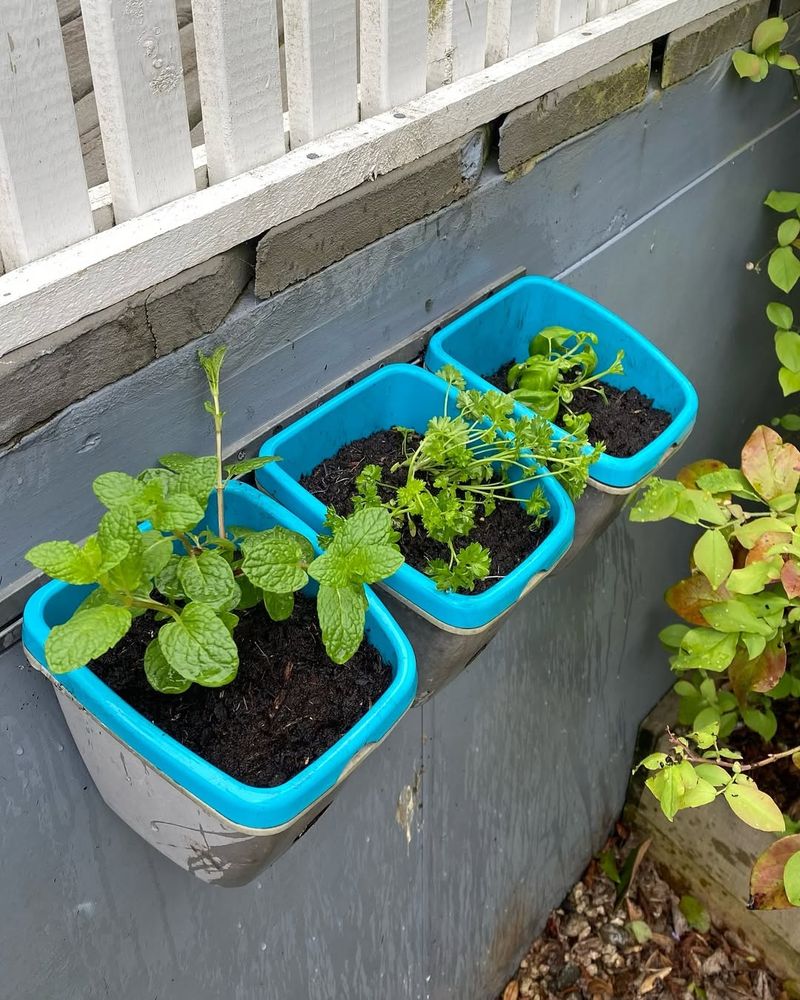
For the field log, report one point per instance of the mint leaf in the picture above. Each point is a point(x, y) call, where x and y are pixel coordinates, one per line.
point(363, 550)
point(87, 635)
point(167, 581)
point(67, 561)
point(249, 465)
point(342, 614)
point(160, 674)
point(156, 552)
point(208, 579)
point(175, 461)
point(178, 512)
point(196, 479)
point(199, 647)
point(114, 488)
point(276, 560)
point(279, 606)
point(118, 535)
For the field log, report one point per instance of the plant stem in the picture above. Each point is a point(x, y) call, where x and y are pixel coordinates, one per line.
point(220, 486)
point(729, 765)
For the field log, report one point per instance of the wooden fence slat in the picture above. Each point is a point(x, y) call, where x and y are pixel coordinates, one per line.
point(456, 40)
point(393, 53)
point(558, 16)
point(597, 8)
point(44, 200)
point(240, 84)
point(321, 66)
point(511, 28)
point(134, 53)
point(48, 294)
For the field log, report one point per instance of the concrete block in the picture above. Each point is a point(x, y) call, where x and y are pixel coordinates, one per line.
point(41, 379)
point(697, 44)
point(296, 249)
point(576, 107)
point(196, 301)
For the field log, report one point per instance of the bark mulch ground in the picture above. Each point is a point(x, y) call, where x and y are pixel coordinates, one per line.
point(588, 950)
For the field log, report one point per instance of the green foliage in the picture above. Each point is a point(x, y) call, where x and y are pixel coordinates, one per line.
point(735, 654)
point(561, 361)
point(195, 580)
point(460, 469)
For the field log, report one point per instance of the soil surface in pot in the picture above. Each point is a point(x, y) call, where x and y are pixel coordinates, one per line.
point(589, 948)
point(781, 780)
point(288, 704)
point(508, 532)
point(626, 420)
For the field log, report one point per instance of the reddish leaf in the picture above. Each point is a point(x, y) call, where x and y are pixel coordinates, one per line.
point(790, 578)
point(766, 881)
point(689, 474)
point(770, 465)
point(760, 674)
point(759, 551)
point(687, 598)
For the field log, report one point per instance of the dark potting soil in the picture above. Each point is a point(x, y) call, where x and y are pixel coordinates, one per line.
point(508, 532)
point(288, 704)
point(781, 780)
point(626, 420)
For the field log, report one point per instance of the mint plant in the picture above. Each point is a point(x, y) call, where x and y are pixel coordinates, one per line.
point(560, 362)
point(196, 580)
point(462, 467)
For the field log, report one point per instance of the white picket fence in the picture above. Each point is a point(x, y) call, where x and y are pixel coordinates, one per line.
point(371, 84)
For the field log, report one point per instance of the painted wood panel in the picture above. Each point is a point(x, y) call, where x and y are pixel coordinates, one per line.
point(127, 259)
point(512, 27)
point(240, 84)
point(321, 66)
point(457, 32)
point(393, 37)
point(134, 52)
point(44, 200)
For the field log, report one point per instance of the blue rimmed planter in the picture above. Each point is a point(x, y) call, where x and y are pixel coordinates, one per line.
point(485, 337)
point(446, 629)
point(216, 827)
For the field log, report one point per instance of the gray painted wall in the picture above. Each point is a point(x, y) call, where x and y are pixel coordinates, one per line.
point(521, 765)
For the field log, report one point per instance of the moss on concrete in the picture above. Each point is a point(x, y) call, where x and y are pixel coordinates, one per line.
point(566, 112)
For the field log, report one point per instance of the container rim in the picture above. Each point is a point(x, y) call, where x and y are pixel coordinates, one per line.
point(242, 804)
point(608, 470)
point(459, 611)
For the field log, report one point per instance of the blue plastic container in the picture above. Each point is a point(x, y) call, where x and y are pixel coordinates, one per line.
point(407, 396)
point(243, 805)
point(484, 338)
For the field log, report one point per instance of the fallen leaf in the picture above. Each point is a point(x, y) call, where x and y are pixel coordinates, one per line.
point(511, 992)
point(653, 979)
